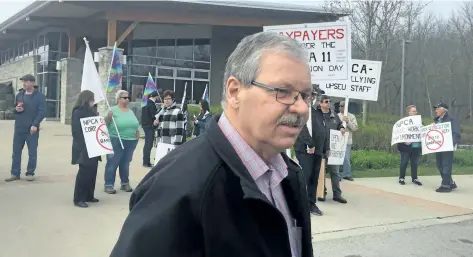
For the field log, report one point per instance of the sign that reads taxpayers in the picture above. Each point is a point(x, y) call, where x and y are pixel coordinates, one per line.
point(363, 83)
point(407, 130)
point(96, 136)
point(328, 44)
point(338, 147)
point(437, 138)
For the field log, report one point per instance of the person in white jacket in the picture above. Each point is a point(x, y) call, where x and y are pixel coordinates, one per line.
point(351, 127)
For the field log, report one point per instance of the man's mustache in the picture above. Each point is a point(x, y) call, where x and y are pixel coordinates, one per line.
point(292, 120)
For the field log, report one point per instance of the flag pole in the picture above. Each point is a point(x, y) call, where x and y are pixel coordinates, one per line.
point(106, 98)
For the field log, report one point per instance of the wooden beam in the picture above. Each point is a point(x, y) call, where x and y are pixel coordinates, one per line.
point(127, 32)
point(200, 18)
point(112, 32)
point(72, 44)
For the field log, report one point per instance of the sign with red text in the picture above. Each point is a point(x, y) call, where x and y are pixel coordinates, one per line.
point(328, 44)
point(96, 137)
point(437, 138)
point(363, 83)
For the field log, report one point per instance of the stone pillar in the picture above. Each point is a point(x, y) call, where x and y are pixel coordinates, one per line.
point(104, 67)
point(71, 77)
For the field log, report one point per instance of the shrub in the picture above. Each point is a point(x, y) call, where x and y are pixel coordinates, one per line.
point(368, 159)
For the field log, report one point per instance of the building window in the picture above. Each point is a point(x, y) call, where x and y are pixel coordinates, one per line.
point(184, 49)
point(167, 48)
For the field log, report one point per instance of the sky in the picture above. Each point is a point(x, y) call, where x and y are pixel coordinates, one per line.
point(438, 8)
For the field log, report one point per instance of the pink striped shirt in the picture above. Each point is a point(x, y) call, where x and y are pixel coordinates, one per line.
point(269, 183)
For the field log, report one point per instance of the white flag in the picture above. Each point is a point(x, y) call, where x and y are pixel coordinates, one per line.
point(90, 76)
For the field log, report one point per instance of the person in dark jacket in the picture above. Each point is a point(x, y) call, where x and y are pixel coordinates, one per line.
point(324, 119)
point(410, 152)
point(202, 121)
point(232, 191)
point(148, 116)
point(87, 174)
point(445, 159)
point(30, 111)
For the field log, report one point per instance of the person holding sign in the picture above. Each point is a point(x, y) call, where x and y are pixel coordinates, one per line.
point(124, 138)
point(233, 191)
point(324, 119)
point(445, 159)
point(410, 152)
point(352, 126)
point(87, 174)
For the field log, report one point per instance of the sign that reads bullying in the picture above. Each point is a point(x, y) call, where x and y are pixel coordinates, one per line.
point(407, 130)
point(338, 147)
point(96, 136)
point(363, 83)
point(437, 138)
point(328, 44)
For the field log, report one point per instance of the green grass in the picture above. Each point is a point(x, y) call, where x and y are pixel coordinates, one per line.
point(423, 171)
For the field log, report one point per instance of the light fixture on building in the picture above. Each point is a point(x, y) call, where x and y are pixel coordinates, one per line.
point(58, 65)
point(4, 32)
point(27, 18)
point(123, 59)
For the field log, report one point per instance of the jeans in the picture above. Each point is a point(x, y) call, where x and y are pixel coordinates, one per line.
point(444, 164)
point(346, 173)
point(149, 140)
point(310, 164)
point(120, 159)
point(19, 140)
point(335, 179)
point(414, 157)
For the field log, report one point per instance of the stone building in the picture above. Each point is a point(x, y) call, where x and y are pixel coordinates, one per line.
point(178, 42)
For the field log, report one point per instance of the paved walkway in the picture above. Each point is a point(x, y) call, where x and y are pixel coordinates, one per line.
point(39, 219)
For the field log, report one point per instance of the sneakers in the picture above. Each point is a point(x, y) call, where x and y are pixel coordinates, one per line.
point(12, 178)
point(348, 178)
point(453, 186)
point(401, 181)
point(442, 189)
point(109, 190)
point(417, 182)
point(126, 188)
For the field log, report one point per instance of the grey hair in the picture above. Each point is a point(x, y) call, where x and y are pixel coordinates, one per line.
point(244, 62)
point(119, 94)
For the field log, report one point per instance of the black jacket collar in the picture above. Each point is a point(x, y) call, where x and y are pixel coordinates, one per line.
point(225, 150)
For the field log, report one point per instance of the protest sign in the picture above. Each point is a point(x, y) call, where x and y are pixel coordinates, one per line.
point(437, 138)
point(161, 150)
point(328, 44)
point(407, 130)
point(338, 147)
point(363, 83)
point(96, 136)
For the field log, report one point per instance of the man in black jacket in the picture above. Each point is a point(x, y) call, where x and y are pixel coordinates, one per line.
point(148, 113)
point(445, 159)
point(233, 192)
point(323, 120)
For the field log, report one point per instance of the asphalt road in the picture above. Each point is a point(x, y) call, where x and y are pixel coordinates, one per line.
point(448, 240)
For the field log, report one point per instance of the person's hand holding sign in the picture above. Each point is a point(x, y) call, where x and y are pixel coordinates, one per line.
point(311, 150)
point(345, 119)
point(155, 122)
point(342, 130)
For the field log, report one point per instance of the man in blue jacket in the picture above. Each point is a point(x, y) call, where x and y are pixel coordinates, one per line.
point(30, 111)
point(445, 159)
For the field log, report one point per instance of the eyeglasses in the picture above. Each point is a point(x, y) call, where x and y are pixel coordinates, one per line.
point(342, 105)
point(168, 99)
point(326, 101)
point(285, 96)
point(125, 97)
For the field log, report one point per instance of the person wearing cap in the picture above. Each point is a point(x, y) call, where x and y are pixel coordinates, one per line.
point(445, 159)
point(30, 111)
point(148, 113)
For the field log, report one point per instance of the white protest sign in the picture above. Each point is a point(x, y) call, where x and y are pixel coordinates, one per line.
point(328, 44)
point(338, 147)
point(96, 136)
point(363, 83)
point(437, 138)
point(407, 130)
point(161, 150)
